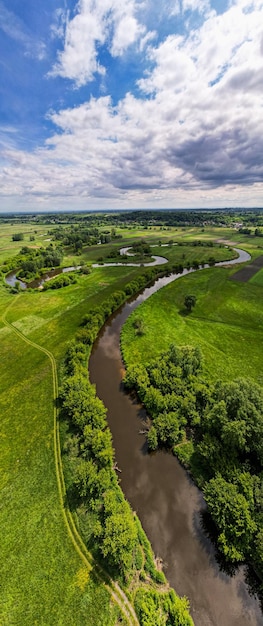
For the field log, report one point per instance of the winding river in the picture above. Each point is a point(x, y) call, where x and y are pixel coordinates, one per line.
point(160, 491)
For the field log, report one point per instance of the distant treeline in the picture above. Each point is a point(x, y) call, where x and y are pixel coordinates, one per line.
point(145, 218)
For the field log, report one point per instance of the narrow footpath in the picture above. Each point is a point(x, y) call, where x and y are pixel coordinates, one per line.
point(117, 594)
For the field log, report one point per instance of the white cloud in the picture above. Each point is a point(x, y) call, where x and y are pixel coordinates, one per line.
point(58, 25)
point(97, 22)
point(194, 137)
point(126, 33)
point(201, 6)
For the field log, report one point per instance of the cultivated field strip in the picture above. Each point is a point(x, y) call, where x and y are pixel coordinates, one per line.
point(113, 588)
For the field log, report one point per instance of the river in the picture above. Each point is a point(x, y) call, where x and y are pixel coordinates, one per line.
point(167, 502)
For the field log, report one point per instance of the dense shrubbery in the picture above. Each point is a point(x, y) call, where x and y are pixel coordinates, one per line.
point(156, 609)
point(63, 280)
point(94, 480)
point(17, 237)
point(80, 235)
point(218, 431)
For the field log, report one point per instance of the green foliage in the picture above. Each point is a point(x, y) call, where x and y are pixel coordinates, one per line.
point(119, 535)
point(17, 237)
point(31, 262)
point(162, 609)
point(189, 302)
point(94, 477)
point(230, 511)
point(63, 280)
point(167, 388)
point(138, 326)
point(225, 422)
point(233, 426)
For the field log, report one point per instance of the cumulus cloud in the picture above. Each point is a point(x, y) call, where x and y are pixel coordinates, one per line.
point(192, 135)
point(97, 22)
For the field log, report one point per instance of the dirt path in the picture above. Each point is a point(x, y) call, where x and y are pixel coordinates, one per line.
point(117, 594)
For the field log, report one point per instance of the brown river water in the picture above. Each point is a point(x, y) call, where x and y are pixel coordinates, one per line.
point(167, 502)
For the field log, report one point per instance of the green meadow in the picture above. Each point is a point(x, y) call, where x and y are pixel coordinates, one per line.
point(226, 322)
point(43, 578)
point(34, 236)
point(257, 279)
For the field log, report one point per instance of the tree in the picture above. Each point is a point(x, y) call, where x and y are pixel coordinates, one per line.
point(119, 531)
point(189, 302)
point(230, 511)
point(17, 237)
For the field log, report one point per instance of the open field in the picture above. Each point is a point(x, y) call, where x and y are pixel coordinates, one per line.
point(245, 274)
point(43, 576)
point(227, 323)
point(9, 248)
point(257, 279)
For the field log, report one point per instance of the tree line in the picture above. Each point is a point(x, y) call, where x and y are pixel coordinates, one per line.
point(108, 525)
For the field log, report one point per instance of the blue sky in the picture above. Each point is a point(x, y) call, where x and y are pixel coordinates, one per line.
point(109, 104)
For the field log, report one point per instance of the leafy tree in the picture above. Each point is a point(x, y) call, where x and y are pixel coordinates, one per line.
point(138, 325)
point(168, 429)
point(230, 511)
point(189, 302)
point(152, 438)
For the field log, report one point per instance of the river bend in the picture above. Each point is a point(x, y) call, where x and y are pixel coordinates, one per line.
point(167, 502)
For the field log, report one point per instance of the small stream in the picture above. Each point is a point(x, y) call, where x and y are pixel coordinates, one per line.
point(166, 500)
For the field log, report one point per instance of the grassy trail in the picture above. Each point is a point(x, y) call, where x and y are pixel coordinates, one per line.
point(113, 588)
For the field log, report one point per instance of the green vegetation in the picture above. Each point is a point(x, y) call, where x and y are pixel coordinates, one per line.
point(189, 302)
point(63, 280)
point(106, 521)
point(257, 279)
point(224, 425)
point(41, 572)
point(46, 571)
point(226, 323)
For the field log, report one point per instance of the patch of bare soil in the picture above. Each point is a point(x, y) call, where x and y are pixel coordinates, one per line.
point(245, 273)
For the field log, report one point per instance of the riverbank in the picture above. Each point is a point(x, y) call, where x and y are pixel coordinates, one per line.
point(167, 503)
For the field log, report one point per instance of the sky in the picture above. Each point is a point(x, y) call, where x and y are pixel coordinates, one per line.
point(124, 104)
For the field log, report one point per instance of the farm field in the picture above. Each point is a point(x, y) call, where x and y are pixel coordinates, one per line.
point(257, 279)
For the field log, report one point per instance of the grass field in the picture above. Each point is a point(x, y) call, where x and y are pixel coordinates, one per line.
point(42, 577)
point(257, 279)
point(9, 248)
point(227, 323)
